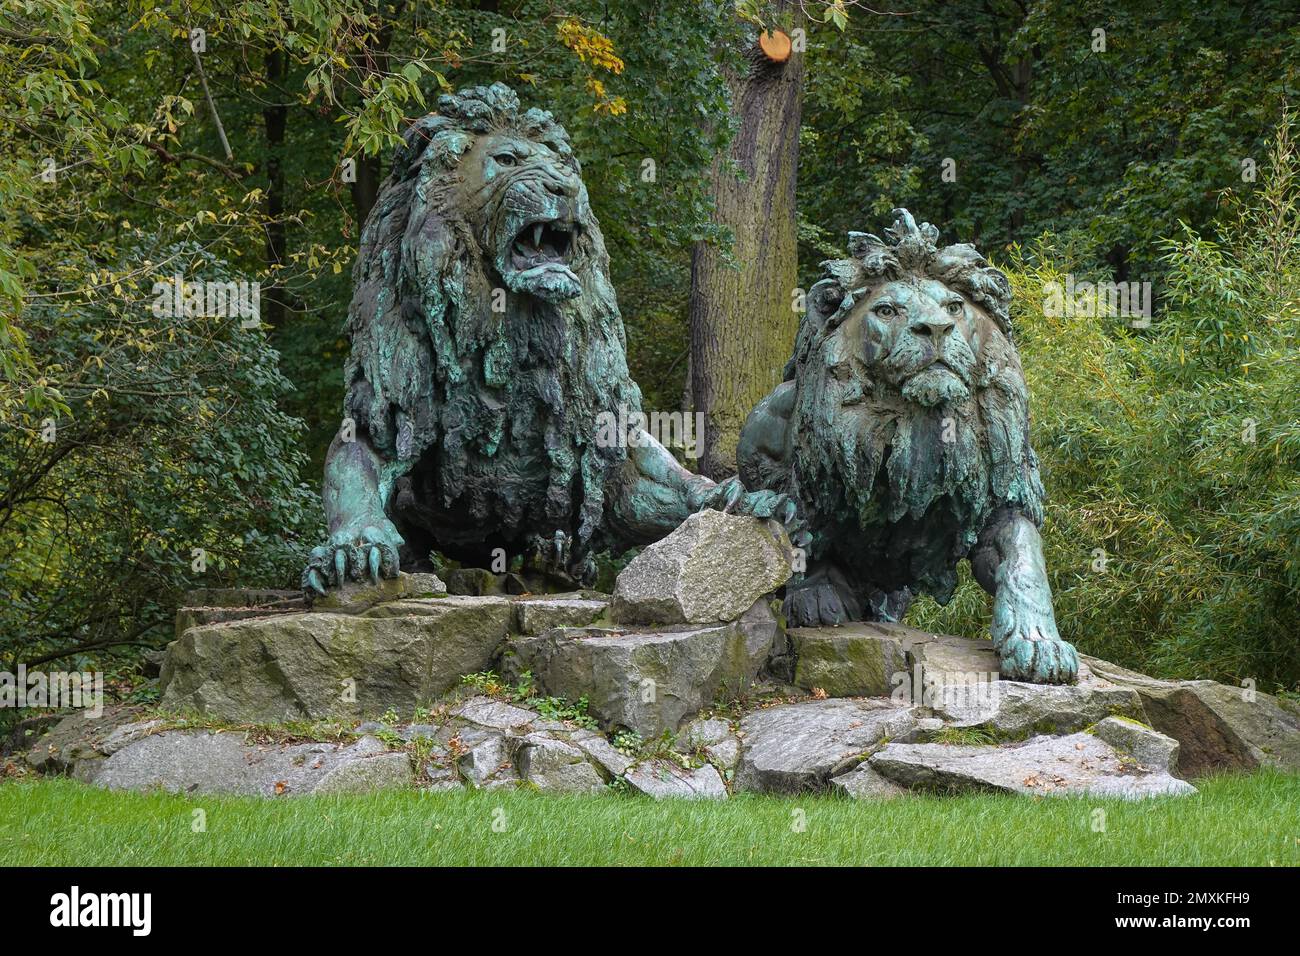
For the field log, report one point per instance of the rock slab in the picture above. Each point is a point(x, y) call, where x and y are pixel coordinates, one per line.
point(1012, 709)
point(648, 680)
point(190, 762)
point(317, 665)
point(1041, 766)
point(536, 615)
point(864, 783)
point(710, 569)
point(1218, 727)
point(663, 778)
point(356, 596)
point(855, 660)
point(794, 748)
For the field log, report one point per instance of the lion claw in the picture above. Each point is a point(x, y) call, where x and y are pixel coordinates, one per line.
point(312, 581)
point(350, 555)
point(1038, 660)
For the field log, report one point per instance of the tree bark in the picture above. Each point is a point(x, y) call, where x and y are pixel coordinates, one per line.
point(275, 117)
point(741, 312)
point(365, 190)
point(374, 60)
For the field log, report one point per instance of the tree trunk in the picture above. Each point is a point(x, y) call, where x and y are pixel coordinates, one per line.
point(374, 60)
point(275, 117)
point(365, 190)
point(741, 316)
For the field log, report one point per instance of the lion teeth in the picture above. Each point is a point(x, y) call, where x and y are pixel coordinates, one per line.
point(537, 235)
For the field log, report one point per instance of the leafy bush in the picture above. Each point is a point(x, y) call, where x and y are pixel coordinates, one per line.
point(1171, 454)
point(170, 441)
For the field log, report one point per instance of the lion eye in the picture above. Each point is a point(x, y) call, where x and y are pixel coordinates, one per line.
point(954, 308)
point(886, 310)
point(505, 159)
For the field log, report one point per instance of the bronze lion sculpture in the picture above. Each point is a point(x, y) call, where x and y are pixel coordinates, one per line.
point(486, 343)
point(902, 430)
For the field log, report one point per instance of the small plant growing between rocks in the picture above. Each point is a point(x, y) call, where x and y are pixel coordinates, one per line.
point(285, 732)
point(628, 743)
point(526, 686)
point(147, 693)
point(421, 749)
point(488, 683)
point(663, 747)
point(525, 693)
point(965, 736)
point(456, 748)
point(557, 708)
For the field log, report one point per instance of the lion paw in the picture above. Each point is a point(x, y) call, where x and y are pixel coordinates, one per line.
point(361, 550)
point(730, 496)
point(1037, 658)
point(818, 604)
point(561, 558)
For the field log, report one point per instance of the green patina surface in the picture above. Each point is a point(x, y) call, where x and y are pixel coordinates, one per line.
point(488, 356)
point(902, 430)
point(487, 349)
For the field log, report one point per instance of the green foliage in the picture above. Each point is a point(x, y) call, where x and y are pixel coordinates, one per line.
point(172, 445)
point(525, 693)
point(489, 683)
point(280, 732)
point(964, 736)
point(1048, 131)
point(628, 742)
point(557, 708)
point(188, 435)
point(1171, 455)
point(63, 118)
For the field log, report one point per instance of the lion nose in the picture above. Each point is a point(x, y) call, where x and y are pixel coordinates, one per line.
point(935, 327)
point(563, 186)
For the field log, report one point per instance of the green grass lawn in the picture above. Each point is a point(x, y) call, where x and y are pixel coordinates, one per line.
point(1234, 820)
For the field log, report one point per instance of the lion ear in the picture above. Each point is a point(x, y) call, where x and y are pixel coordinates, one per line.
point(415, 140)
point(961, 266)
point(838, 275)
point(992, 289)
point(824, 299)
point(862, 243)
point(822, 302)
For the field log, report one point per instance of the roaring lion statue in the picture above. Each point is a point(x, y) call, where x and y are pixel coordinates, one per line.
point(486, 346)
point(902, 430)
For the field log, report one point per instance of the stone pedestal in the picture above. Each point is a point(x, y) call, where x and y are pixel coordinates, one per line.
point(564, 693)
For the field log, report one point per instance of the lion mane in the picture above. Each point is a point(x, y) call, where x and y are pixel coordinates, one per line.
point(480, 398)
point(896, 491)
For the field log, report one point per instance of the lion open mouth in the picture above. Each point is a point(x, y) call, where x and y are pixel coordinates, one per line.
point(539, 260)
point(543, 243)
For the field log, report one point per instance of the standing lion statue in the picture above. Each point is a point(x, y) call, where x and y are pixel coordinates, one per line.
point(902, 430)
point(486, 345)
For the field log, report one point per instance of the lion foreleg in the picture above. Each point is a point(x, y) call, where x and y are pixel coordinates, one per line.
point(656, 494)
point(363, 542)
point(1008, 563)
